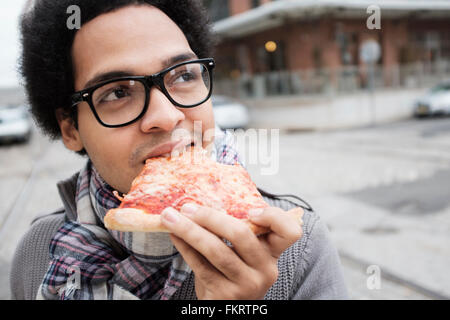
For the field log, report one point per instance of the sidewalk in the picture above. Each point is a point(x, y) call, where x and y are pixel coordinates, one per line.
point(381, 192)
point(332, 112)
point(411, 250)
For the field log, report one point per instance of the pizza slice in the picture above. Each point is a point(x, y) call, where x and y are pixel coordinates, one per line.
point(190, 177)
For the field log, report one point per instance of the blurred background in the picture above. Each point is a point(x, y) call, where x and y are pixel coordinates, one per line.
point(360, 93)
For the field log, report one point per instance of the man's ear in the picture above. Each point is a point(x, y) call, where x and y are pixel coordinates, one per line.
point(70, 135)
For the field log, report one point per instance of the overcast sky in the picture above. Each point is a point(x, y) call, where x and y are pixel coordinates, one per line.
point(9, 36)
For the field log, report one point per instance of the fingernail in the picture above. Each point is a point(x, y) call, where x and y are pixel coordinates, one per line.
point(189, 208)
point(255, 212)
point(170, 215)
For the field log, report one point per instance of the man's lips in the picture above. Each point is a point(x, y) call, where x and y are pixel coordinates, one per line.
point(168, 148)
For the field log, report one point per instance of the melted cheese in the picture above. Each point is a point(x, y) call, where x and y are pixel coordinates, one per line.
point(193, 177)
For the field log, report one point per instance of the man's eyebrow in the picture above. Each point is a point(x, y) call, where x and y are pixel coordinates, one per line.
point(107, 76)
point(118, 73)
point(179, 58)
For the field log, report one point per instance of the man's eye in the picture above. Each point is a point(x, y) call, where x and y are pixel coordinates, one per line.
point(116, 94)
point(185, 77)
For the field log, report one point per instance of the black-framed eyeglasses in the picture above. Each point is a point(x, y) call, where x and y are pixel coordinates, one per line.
point(121, 101)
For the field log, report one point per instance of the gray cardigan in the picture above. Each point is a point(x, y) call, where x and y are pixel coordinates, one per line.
point(309, 269)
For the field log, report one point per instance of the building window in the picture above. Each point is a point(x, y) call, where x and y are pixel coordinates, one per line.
point(427, 46)
point(255, 3)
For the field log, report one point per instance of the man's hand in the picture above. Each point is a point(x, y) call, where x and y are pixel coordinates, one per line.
point(248, 269)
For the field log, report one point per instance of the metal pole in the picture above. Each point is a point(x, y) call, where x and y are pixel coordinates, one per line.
point(372, 92)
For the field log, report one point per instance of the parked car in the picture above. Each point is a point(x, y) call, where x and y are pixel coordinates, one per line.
point(229, 114)
point(435, 102)
point(15, 124)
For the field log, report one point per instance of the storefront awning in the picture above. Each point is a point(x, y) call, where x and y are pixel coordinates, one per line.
point(276, 13)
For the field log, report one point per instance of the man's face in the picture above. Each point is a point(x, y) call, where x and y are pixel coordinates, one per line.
point(138, 40)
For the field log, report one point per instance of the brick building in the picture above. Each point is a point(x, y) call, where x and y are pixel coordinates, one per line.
point(301, 46)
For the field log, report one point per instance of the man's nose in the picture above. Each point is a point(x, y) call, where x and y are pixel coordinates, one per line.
point(161, 113)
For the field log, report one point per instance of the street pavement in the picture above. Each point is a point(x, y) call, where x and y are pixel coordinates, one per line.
point(383, 191)
point(380, 190)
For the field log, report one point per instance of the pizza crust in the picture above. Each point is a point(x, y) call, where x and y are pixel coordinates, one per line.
point(137, 220)
point(133, 220)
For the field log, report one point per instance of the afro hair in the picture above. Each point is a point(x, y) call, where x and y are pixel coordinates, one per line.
point(46, 63)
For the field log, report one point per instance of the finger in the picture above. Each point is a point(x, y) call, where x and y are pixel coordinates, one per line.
point(285, 226)
point(207, 244)
point(244, 241)
point(201, 267)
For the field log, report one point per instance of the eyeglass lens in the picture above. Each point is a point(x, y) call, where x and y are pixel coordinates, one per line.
point(123, 101)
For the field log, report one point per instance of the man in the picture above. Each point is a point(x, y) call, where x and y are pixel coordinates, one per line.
point(116, 90)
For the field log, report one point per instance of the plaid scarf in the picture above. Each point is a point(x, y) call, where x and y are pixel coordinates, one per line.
point(90, 262)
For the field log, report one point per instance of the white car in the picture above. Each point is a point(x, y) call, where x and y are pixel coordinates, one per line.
point(15, 124)
point(229, 114)
point(435, 102)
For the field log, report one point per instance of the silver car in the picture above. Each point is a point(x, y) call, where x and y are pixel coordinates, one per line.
point(15, 124)
point(229, 114)
point(435, 102)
